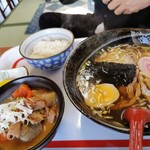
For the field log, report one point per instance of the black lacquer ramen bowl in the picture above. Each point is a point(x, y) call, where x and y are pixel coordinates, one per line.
point(85, 52)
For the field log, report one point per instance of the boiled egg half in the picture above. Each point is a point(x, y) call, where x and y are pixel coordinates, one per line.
point(101, 95)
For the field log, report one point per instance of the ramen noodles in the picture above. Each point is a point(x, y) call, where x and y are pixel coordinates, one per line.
point(115, 78)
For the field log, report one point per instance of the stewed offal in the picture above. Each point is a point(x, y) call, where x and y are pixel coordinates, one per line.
point(26, 117)
point(114, 78)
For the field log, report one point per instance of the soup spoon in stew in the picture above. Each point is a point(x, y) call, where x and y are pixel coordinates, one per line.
point(137, 118)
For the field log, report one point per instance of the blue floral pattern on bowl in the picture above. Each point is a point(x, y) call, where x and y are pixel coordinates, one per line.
point(51, 63)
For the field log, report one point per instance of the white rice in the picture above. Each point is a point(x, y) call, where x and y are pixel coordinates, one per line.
point(47, 48)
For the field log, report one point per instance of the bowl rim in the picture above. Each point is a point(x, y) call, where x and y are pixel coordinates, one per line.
point(44, 30)
point(58, 91)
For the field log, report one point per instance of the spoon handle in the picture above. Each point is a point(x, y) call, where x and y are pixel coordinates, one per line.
point(136, 133)
point(137, 118)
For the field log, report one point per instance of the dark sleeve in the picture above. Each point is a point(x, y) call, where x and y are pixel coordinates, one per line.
point(111, 21)
point(135, 20)
point(67, 1)
point(100, 7)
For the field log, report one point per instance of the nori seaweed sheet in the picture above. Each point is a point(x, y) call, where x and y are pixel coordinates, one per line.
point(114, 73)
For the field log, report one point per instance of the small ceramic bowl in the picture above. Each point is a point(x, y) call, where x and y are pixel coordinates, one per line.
point(52, 62)
point(35, 82)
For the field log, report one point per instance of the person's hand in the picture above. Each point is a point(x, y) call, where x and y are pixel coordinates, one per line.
point(126, 6)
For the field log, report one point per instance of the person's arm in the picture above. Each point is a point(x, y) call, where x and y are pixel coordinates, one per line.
point(126, 6)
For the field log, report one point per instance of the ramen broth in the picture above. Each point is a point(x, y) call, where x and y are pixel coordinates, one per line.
point(47, 125)
point(114, 79)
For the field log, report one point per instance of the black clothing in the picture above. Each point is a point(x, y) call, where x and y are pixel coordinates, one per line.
point(85, 25)
point(111, 21)
point(80, 25)
point(67, 1)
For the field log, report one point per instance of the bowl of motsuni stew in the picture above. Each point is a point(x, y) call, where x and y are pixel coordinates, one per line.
point(31, 109)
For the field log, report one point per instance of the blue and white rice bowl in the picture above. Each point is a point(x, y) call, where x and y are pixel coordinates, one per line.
point(48, 63)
